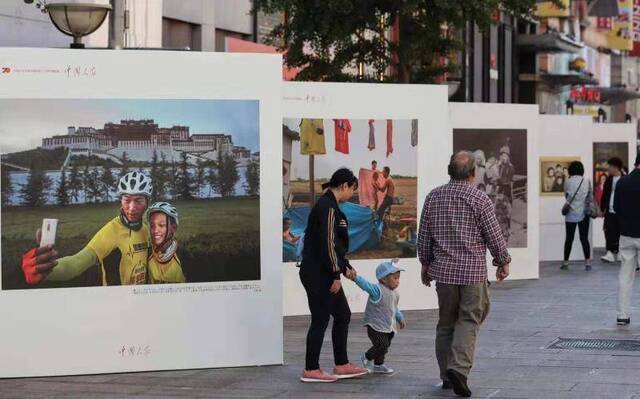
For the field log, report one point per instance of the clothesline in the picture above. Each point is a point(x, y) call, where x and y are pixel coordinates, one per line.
point(312, 136)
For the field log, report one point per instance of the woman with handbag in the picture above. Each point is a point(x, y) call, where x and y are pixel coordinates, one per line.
point(578, 209)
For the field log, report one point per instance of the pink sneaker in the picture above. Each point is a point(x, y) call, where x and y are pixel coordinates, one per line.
point(318, 375)
point(349, 371)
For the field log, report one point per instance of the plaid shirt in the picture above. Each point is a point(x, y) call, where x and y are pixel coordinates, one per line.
point(458, 223)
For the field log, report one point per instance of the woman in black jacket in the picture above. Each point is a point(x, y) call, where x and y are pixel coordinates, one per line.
point(326, 243)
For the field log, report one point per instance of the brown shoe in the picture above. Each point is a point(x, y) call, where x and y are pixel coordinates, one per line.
point(317, 376)
point(349, 371)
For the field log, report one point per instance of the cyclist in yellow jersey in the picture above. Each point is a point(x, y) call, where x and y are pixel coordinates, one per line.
point(121, 246)
point(164, 265)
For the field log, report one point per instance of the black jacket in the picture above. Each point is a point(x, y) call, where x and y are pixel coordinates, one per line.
point(606, 194)
point(326, 240)
point(626, 203)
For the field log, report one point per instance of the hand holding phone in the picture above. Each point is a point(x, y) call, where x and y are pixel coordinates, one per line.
point(48, 232)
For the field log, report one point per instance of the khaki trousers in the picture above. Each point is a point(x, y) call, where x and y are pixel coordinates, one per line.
point(463, 308)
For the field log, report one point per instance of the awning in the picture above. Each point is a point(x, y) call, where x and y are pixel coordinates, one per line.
point(551, 42)
point(617, 95)
point(573, 79)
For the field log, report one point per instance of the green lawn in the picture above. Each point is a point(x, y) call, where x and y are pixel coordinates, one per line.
point(219, 239)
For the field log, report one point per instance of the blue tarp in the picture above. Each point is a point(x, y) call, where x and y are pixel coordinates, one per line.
point(365, 230)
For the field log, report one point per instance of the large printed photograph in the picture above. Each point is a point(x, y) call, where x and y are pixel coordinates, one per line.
point(100, 192)
point(382, 153)
point(501, 172)
point(602, 153)
point(554, 172)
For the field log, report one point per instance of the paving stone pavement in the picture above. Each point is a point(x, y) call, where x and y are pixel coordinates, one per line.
point(511, 358)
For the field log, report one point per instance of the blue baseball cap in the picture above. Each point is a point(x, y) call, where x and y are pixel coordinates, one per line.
point(385, 269)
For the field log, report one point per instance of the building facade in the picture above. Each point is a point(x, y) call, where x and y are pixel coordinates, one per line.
point(486, 64)
point(197, 25)
point(143, 137)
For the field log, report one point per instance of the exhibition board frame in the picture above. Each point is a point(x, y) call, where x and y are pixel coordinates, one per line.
point(562, 136)
point(204, 325)
point(488, 117)
point(612, 133)
point(327, 100)
point(90, 330)
point(574, 136)
point(427, 104)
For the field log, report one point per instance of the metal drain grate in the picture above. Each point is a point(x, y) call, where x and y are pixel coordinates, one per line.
point(623, 345)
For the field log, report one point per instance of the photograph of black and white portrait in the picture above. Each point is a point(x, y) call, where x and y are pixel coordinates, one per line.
point(501, 172)
point(554, 171)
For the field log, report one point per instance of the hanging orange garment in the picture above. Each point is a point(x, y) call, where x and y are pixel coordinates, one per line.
point(366, 191)
point(342, 129)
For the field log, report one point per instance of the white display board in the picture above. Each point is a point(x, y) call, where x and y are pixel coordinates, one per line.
point(563, 136)
point(613, 133)
point(360, 103)
point(96, 329)
point(512, 122)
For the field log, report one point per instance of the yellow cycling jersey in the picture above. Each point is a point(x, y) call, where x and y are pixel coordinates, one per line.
point(122, 249)
point(162, 273)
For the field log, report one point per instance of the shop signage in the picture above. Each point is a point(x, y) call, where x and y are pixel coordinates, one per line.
point(585, 95)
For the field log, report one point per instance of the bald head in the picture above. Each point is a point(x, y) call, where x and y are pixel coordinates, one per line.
point(462, 165)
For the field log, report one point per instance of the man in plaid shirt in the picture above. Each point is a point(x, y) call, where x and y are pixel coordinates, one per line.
point(457, 226)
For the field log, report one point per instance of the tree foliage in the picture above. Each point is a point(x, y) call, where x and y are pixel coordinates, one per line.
point(185, 184)
point(7, 186)
point(62, 193)
point(108, 182)
point(200, 176)
point(224, 177)
point(125, 164)
point(157, 173)
point(252, 178)
point(75, 184)
point(35, 192)
point(399, 40)
point(92, 184)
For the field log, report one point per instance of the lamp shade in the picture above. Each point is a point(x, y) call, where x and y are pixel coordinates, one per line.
point(77, 19)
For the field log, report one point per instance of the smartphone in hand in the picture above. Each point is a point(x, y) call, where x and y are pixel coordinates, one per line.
point(49, 228)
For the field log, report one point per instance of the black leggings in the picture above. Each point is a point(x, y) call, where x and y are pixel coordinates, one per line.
point(323, 304)
point(583, 227)
point(381, 343)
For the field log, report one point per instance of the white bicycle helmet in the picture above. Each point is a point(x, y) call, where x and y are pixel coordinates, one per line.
point(135, 183)
point(165, 208)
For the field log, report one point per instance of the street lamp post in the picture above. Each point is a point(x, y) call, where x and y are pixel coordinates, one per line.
point(77, 19)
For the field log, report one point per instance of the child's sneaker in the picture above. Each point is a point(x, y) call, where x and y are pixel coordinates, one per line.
point(366, 363)
point(382, 369)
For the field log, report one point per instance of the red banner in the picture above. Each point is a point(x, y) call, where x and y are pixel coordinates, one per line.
point(585, 95)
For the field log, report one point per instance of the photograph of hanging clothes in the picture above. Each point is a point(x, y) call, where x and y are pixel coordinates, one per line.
point(382, 153)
